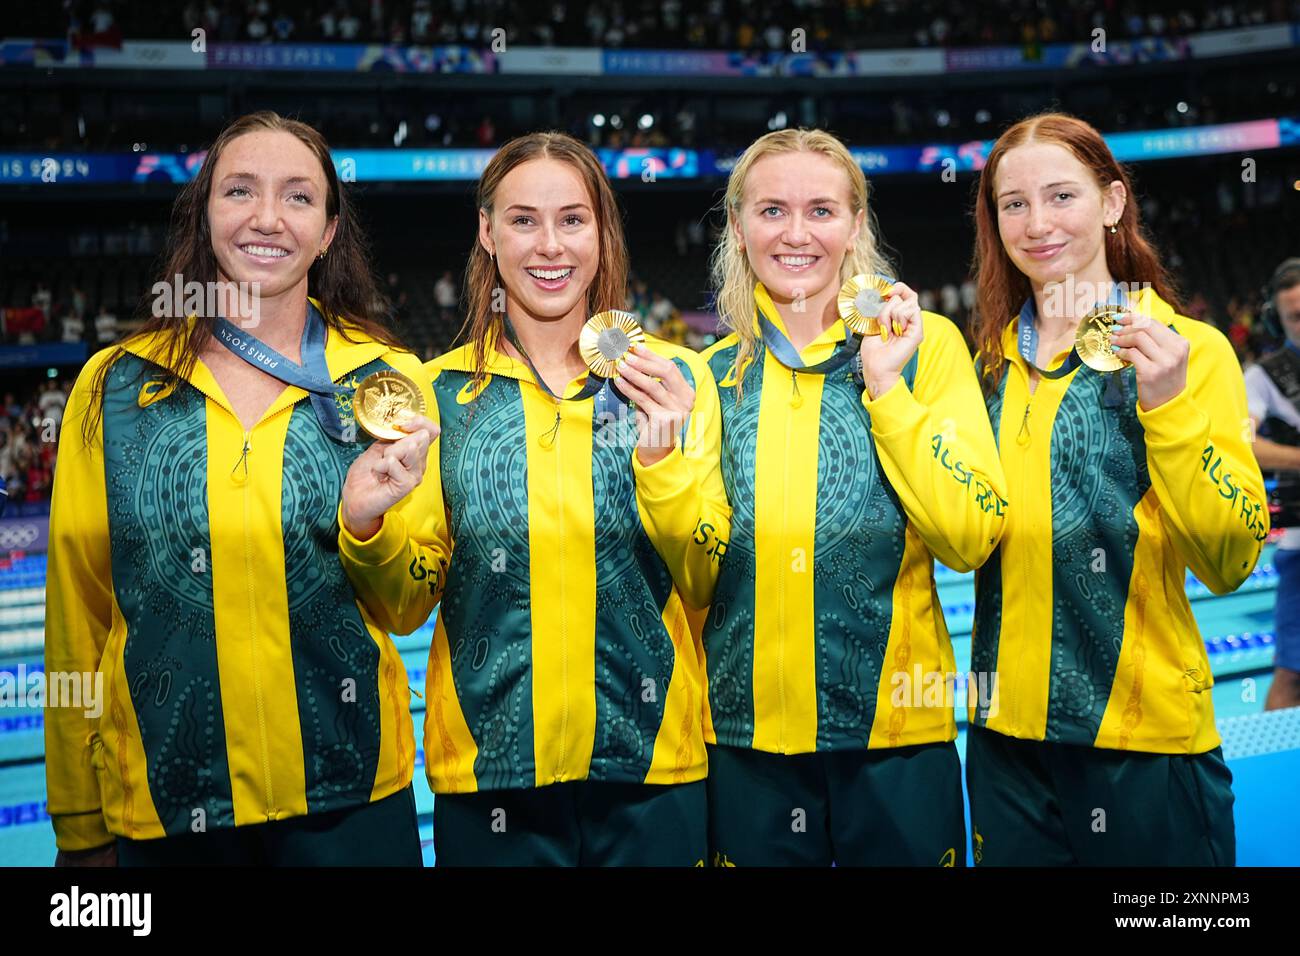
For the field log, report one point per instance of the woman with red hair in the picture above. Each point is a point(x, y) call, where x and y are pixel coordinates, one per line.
point(1123, 437)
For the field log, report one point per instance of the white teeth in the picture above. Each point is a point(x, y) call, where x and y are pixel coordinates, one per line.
point(796, 260)
point(265, 251)
point(550, 274)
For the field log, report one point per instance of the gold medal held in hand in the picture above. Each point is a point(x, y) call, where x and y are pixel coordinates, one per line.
point(607, 337)
point(860, 301)
point(1092, 340)
point(383, 401)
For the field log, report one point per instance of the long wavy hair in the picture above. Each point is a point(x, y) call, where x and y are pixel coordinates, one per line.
point(734, 278)
point(483, 283)
point(1001, 288)
point(343, 281)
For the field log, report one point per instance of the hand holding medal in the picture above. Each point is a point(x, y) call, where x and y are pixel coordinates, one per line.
point(389, 406)
point(612, 345)
point(1157, 353)
point(873, 306)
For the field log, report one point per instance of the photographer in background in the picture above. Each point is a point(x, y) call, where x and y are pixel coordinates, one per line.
point(1273, 395)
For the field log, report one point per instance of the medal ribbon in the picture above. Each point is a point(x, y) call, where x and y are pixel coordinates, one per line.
point(606, 396)
point(312, 376)
point(780, 345)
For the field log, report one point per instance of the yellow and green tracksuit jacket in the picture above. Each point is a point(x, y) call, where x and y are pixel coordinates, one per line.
point(826, 618)
point(1082, 620)
point(194, 566)
point(562, 648)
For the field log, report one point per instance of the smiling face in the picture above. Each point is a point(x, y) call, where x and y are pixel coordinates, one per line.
point(544, 234)
point(1052, 215)
point(266, 211)
point(796, 222)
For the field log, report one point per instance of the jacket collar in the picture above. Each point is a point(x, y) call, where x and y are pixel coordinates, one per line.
point(763, 300)
point(497, 362)
point(342, 357)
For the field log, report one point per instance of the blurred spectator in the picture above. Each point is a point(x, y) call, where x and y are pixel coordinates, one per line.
point(105, 326)
point(349, 27)
point(639, 300)
point(445, 296)
point(51, 402)
point(74, 330)
point(283, 27)
point(661, 310)
point(967, 299)
point(949, 300)
point(257, 29)
point(41, 299)
point(78, 302)
point(328, 25)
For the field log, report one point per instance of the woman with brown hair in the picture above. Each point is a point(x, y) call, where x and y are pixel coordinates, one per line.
point(252, 711)
point(565, 688)
point(1128, 461)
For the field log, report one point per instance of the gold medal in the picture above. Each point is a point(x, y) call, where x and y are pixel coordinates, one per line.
point(1092, 340)
point(383, 401)
point(607, 337)
point(860, 301)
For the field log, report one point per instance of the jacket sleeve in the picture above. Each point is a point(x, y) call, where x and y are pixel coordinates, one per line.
point(1203, 468)
point(399, 573)
point(682, 500)
point(937, 449)
point(78, 619)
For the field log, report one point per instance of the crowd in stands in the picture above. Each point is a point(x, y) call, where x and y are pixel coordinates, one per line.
point(30, 422)
point(750, 25)
point(69, 323)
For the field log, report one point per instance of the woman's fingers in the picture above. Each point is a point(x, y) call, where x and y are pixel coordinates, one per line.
point(642, 399)
point(1140, 340)
point(656, 366)
point(420, 423)
point(657, 390)
point(903, 292)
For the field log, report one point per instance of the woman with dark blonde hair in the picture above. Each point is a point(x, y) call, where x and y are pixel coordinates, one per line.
point(1128, 462)
point(565, 688)
point(851, 465)
point(252, 711)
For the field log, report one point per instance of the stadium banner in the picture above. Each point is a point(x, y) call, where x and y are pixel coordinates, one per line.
point(43, 354)
point(726, 63)
point(350, 58)
point(131, 55)
point(557, 60)
point(1058, 56)
point(651, 164)
point(24, 168)
point(646, 164)
point(1195, 141)
point(1213, 43)
point(899, 62)
point(411, 165)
